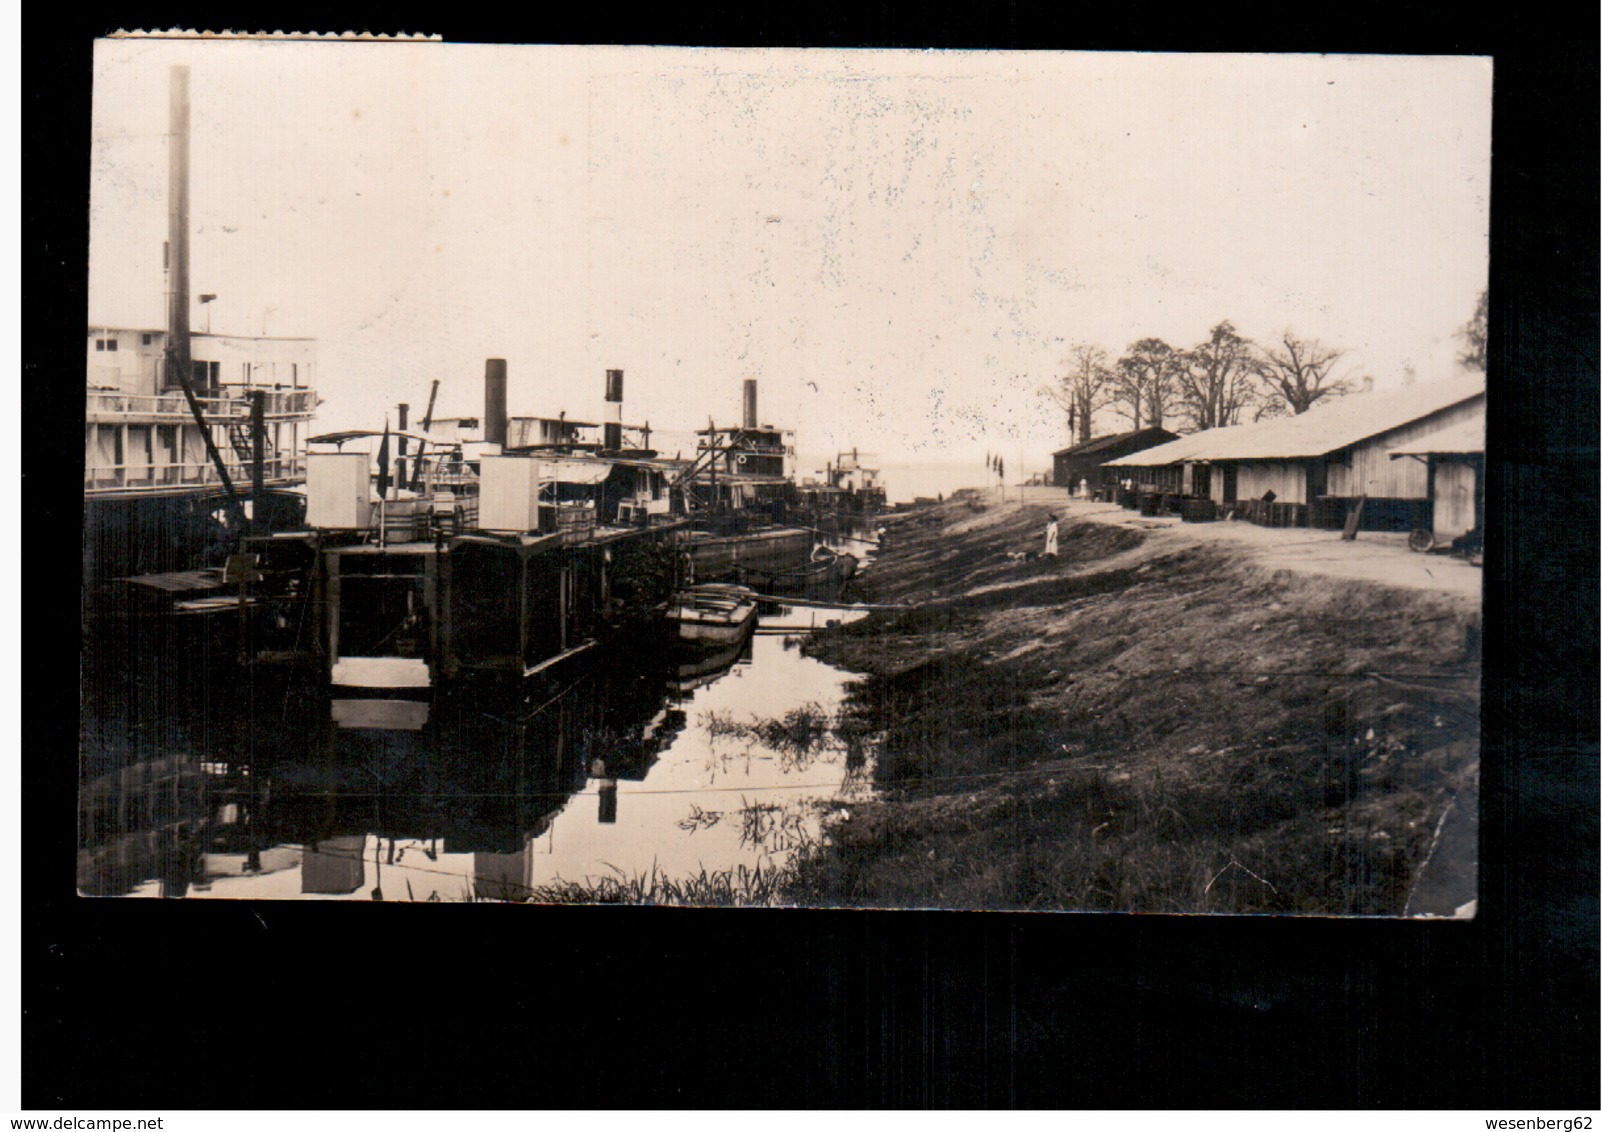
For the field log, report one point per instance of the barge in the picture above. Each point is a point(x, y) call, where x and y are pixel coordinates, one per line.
point(498, 561)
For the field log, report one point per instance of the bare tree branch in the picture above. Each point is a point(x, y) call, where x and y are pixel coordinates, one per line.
point(1298, 373)
point(1216, 379)
point(1145, 381)
point(1083, 388)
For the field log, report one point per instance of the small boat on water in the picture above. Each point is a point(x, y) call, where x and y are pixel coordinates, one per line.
point(714, 613)
point(826, 567)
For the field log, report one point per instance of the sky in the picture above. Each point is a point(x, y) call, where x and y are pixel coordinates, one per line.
point(901, 246)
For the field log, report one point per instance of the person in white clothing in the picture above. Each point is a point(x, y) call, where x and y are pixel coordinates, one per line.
point(1051, 537)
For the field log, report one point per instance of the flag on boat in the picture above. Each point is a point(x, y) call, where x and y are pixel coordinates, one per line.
point(383, 463)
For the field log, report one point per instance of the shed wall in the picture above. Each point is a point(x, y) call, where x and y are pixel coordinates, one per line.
point(1369, 469)
point(1288, 481)
point(1454, 498)
point(1069, 470)
point(1167, 477)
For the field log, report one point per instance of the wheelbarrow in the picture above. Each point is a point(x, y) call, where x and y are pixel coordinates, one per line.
point(1470, 545)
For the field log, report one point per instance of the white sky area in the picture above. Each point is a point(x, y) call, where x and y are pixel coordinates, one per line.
point(899, 245)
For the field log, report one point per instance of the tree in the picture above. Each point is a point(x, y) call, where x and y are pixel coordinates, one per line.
point(1297, 373)
point(1083, 388)
point(1144, 381)
point(1473, 335)
point(1216, 378)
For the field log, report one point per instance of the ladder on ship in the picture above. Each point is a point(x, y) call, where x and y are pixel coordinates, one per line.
point(706, 459)
point(240, 440)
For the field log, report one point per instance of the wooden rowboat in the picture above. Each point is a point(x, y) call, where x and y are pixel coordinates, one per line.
point(714, 614)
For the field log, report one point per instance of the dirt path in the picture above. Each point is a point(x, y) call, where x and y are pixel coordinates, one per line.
point(1371, 557)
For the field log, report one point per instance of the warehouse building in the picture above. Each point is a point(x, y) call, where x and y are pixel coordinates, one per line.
point(1317, 468)
point(1087, 461)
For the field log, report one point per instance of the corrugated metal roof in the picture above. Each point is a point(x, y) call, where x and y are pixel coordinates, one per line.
point(1337, 424)
point(1465, 438)
point(1178, 451)
point(362, 433)
point(1101, 443)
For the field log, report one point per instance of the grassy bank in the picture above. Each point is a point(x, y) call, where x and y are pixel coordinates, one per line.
point(1134, 726)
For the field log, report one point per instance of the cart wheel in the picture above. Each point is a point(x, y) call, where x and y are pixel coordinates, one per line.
point(1420, 541)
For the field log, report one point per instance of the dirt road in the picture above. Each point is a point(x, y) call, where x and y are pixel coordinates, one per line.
point(1371, 557)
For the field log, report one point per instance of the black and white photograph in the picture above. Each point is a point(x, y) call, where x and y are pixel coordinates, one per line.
point(1037, 481)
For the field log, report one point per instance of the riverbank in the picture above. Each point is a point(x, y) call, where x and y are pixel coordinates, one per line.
point(1165, 717)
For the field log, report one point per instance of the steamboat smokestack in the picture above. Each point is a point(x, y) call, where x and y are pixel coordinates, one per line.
point(178, 223)
point(495, 400)
point(750, 419)
point(612, 430)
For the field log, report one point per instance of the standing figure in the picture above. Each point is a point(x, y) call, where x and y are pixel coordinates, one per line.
point(1051, 537)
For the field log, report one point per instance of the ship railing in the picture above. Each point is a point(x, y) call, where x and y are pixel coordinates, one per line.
point(753, 449)
point(444, 479)
point(446, 503)
point(422, 517)
point(204, 473)
point(231, 406)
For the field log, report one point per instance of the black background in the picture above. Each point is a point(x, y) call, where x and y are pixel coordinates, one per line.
point(172, 1005)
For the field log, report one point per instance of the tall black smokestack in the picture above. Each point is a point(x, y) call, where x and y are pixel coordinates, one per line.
point(495, 400)
point(612, 430)
point(750, 420)
point(178, 223)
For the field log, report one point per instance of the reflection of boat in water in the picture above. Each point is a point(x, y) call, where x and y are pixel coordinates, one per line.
point(714, 614)
point(379, 714)
point(716, 555)
point(482, 769)
point(711, 665)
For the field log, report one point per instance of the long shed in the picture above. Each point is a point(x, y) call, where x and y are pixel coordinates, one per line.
point(1325, 459)
point(1086, 461)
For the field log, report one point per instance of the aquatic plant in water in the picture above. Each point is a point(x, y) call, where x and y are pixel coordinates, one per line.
point(700, 819)
point(745, 885)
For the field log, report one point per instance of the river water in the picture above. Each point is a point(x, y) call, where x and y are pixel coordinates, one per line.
point(628, 778)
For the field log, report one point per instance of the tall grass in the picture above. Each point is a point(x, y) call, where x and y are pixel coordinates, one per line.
point(742, 886)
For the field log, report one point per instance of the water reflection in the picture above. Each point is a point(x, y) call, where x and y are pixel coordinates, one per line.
point(196, 782)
